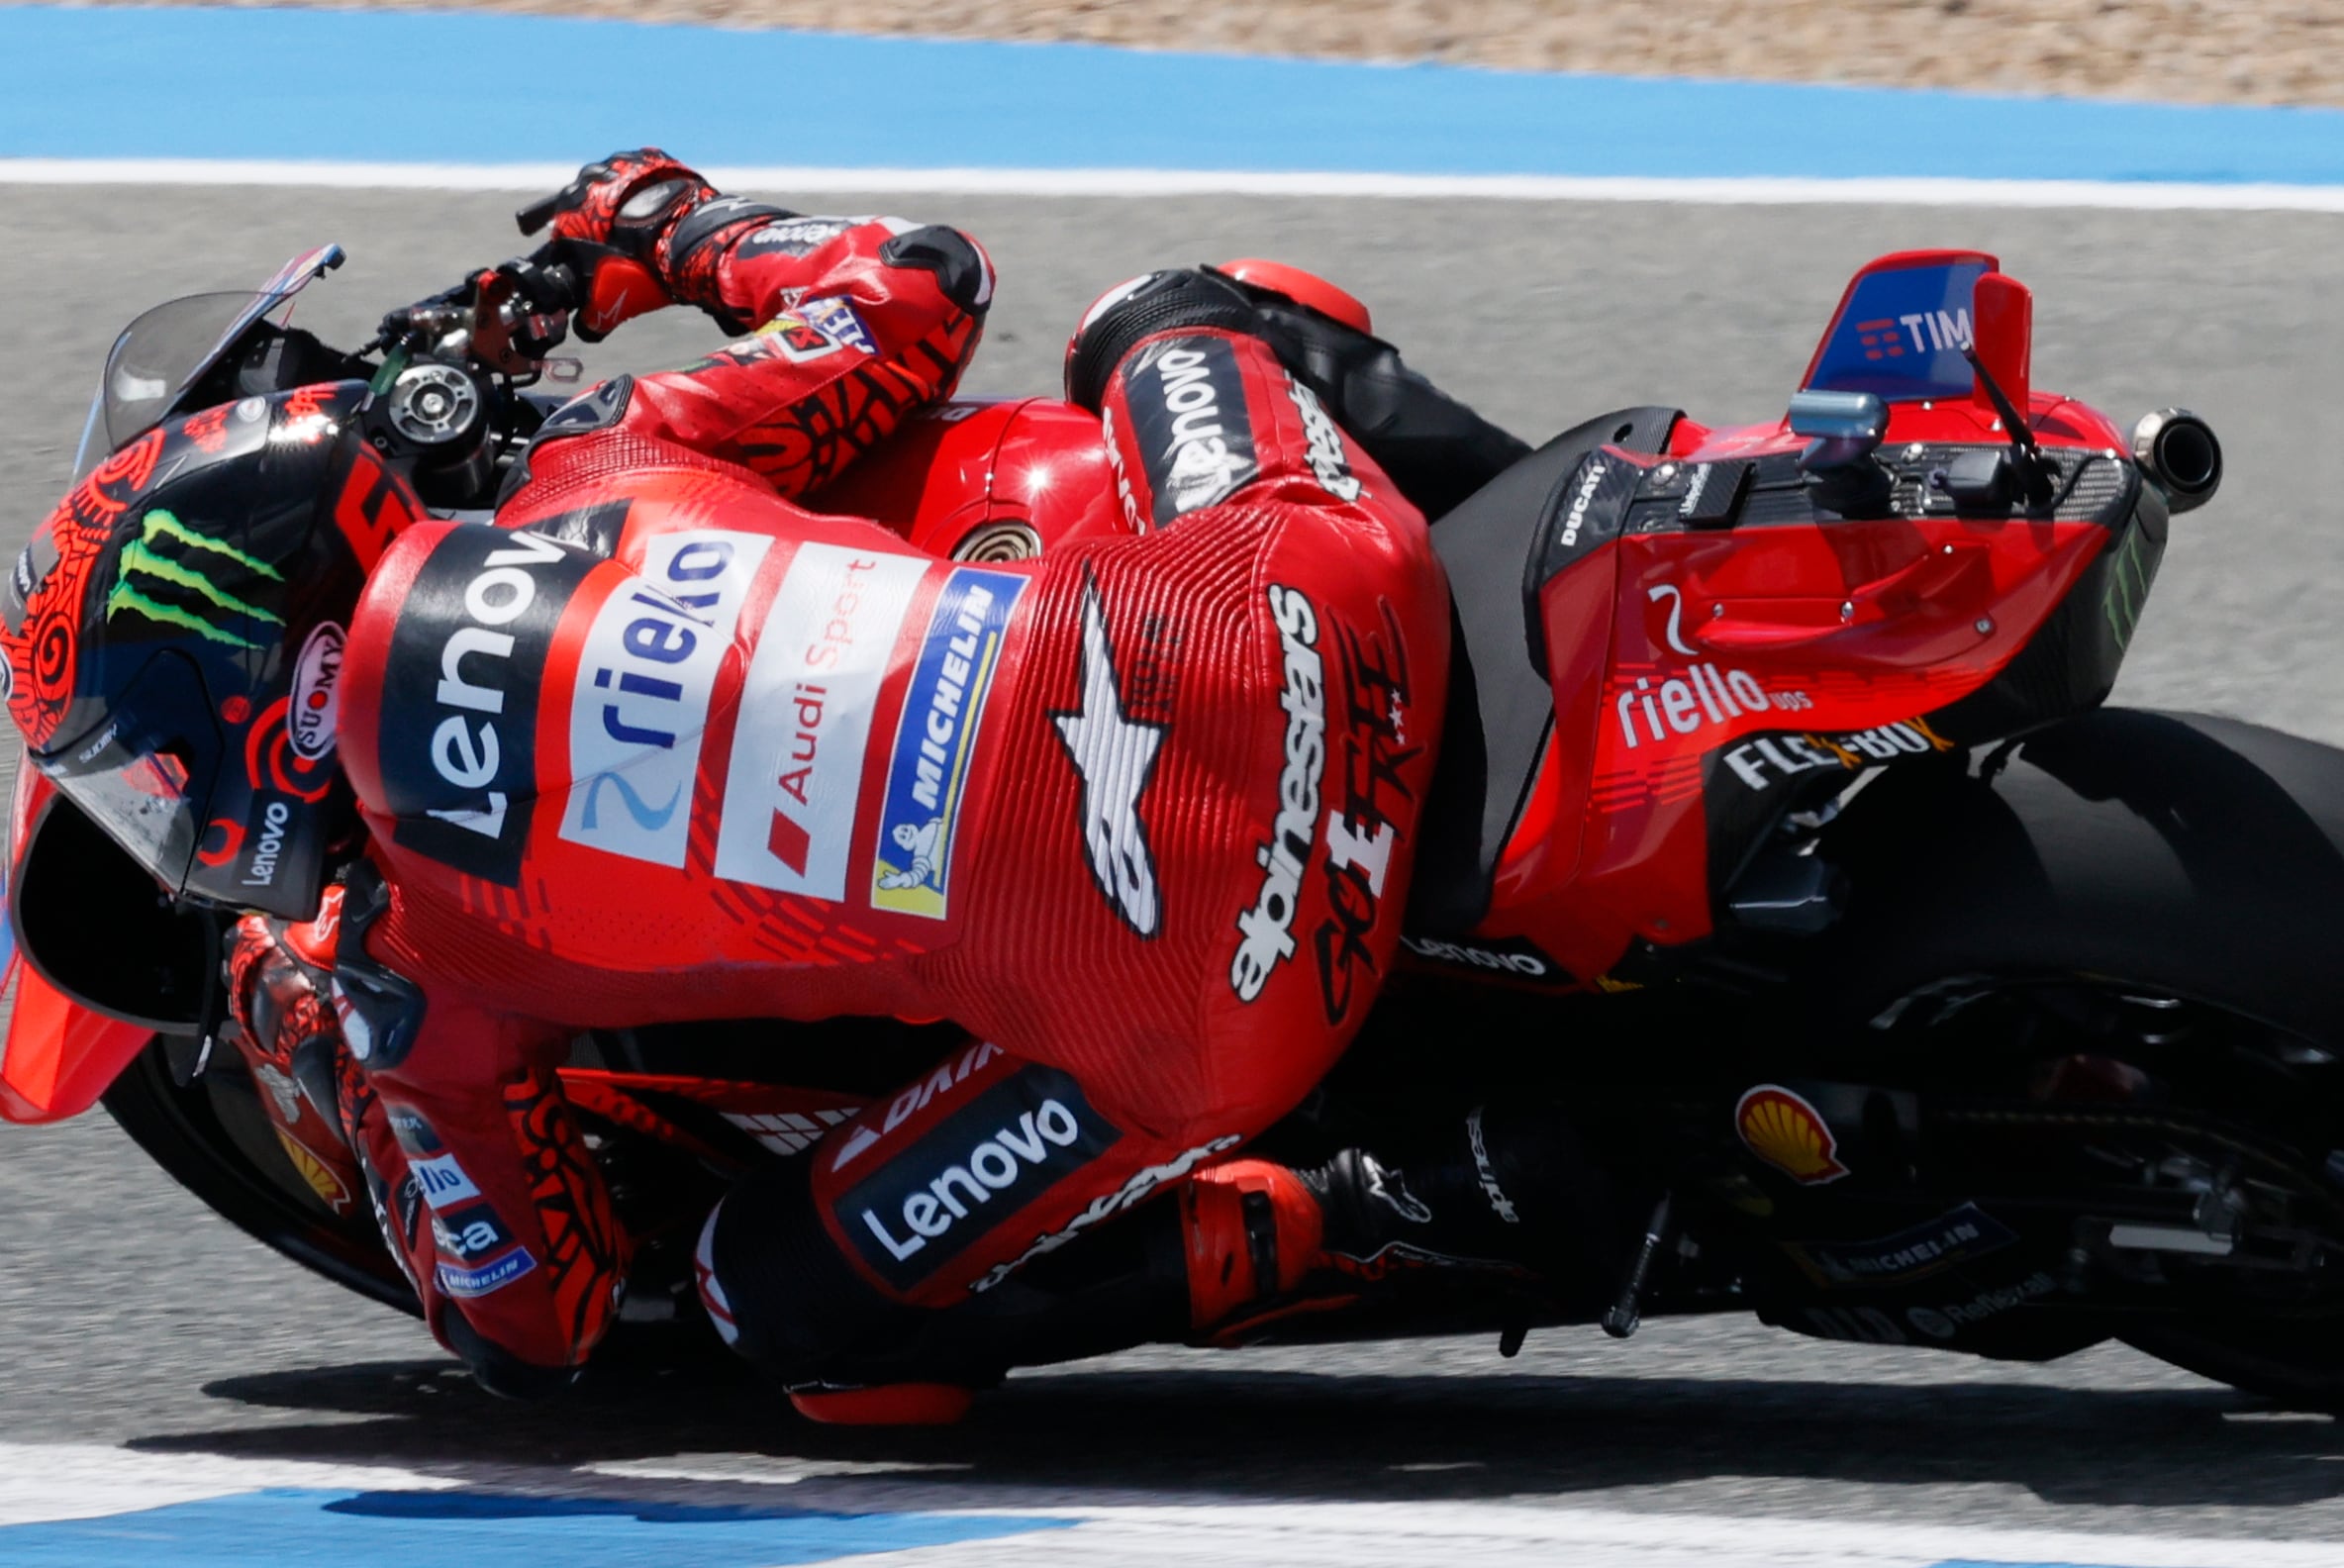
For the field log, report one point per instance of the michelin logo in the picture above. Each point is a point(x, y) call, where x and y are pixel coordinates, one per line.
point(487, 1278)
point(936, 739)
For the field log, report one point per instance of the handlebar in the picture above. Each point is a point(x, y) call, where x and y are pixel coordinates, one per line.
point(537, 214)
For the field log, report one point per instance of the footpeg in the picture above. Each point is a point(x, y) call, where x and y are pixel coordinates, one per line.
point(1622, 1316)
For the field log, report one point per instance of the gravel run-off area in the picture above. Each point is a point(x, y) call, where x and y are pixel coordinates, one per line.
point(2269, 51)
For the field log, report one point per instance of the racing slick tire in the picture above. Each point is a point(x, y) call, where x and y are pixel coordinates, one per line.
point(2178, 860)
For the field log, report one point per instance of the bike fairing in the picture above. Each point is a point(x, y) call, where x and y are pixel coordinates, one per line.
point(1699, 691)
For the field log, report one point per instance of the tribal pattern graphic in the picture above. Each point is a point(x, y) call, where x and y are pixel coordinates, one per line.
point(809, 441)
point(45, 600)
point(584, 1249)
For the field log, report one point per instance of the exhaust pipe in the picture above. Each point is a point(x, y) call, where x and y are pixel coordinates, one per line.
point(2178, 449)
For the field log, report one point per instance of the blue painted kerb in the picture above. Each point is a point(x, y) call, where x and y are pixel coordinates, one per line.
point(420, 87)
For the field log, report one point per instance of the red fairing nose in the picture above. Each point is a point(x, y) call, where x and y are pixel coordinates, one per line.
point(1304, 288)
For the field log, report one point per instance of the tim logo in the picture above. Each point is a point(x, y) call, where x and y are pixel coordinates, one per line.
point(1928, 331)
point(166, 577)
point(935, 738)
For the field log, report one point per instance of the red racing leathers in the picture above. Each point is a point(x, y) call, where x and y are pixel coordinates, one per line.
point(664, 745)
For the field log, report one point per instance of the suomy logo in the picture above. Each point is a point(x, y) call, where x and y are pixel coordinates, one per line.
point(317, 681)
point(147, 571)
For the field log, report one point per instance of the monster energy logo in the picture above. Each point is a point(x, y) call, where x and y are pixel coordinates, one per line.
point(2129, 575)
point(140, 559)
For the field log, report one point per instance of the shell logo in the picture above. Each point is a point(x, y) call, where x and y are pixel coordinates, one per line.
point(316, 1172)
point(1787, 1132)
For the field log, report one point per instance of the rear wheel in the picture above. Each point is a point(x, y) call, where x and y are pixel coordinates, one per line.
point(2298, 1364)
point(2156, 891)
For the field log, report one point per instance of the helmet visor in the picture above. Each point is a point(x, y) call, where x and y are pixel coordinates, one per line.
point(149, 775)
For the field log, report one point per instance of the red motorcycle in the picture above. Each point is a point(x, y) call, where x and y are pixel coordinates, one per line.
point(1781, 842)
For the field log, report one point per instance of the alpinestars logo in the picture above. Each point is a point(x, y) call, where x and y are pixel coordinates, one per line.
point(143, 562)
point(1268, 927)
point(1325, 451)
point(1114, 756)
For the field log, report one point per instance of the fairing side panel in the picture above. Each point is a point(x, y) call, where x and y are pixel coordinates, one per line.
point(1736, 663)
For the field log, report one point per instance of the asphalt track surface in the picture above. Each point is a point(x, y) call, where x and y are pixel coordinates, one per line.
point(128, 1314)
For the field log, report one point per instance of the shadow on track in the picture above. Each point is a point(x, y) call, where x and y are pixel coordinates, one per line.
point(1292, 1436)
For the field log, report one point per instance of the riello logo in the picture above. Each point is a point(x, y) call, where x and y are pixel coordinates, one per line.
point(1656, 707)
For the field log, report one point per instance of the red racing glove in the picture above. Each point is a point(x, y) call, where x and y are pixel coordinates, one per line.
point(607, 226)
point(325, 1113)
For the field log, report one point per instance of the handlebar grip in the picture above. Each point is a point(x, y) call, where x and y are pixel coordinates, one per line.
point(537, 214)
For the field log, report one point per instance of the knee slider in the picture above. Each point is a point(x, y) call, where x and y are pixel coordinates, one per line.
point(778, 1289)
point(498, 1370)
point(1125, 314)
point(960, 268)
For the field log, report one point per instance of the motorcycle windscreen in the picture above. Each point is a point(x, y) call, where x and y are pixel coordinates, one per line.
point(1902, 327)
point(159, 357)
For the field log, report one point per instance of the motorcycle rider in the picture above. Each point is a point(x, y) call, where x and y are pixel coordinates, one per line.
point(662, 744)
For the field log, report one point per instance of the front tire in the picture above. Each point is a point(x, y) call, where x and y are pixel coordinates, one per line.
point(189, 1132)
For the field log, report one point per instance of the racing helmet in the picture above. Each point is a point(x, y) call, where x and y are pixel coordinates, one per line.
point(172, 640)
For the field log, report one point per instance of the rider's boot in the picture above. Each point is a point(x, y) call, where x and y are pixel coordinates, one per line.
point(1494, 1203)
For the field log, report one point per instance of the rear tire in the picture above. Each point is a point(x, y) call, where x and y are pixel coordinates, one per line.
point(2178, 856)
point(2299, 1365)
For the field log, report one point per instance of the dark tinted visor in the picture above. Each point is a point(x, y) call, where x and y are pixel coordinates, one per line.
point(146, 778)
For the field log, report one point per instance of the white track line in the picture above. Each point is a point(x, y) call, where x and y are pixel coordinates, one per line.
point(65, 1481)
point(85, 1481)
point(2138, 196)
point(1237, 1535)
